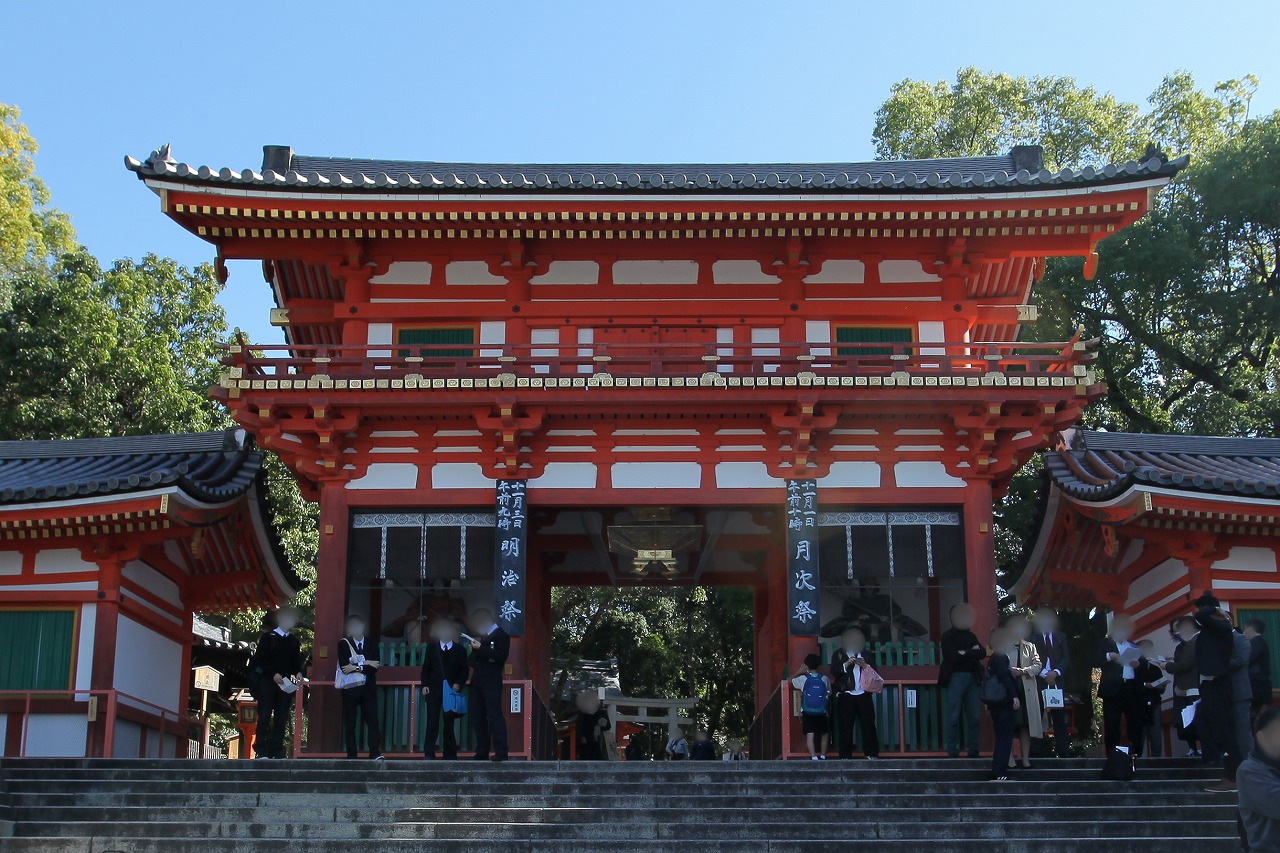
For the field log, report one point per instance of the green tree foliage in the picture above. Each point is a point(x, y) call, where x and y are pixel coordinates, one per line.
point(30, 230)
point(1185, 301)
point(669, 644)
point(130, 349)
point(127, 350)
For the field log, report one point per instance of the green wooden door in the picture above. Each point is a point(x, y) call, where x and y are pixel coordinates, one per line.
point(870, 335)
point(36, 647)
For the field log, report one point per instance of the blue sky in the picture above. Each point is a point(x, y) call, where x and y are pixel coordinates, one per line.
point(550, 81)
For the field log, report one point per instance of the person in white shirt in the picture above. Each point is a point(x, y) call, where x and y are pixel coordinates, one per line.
point(357, 653)
point(677, 744)
point(853, 703)
point(1118, 687)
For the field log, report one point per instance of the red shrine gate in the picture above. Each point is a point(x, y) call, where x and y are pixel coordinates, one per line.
point(803, 379)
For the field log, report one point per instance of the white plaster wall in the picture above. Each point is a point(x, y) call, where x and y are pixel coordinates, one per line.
point(1245, 559)
point(569, 272)
point(148, 665)
point(154, 582)
point(492, 332)
point(459, 475)
point(741, 272)
point(837, 271)
point(745, 475)
point(904, 272)
point(387, 475)
point(10, 563)
point(84, 646)
point(470, 272)
point(566, 475)
point(655, 272)
point(405, 272)
point(57, 735)
point(128, 739)
point(1155, 579)
point(852, 475)
point(931, 330)
point(62, 560)
point(380, 333)
point(656, 475)
point(913, 475)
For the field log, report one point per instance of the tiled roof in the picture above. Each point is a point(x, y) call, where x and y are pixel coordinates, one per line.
point(211, 467)
point(1101, 465)
point(1020, 169)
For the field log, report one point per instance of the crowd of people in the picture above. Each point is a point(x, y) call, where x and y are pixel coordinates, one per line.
point(461, 676)
point(1219, 675)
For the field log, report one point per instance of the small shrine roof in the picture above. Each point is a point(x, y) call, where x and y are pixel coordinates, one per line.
point(1098, 466)
point(211, 467)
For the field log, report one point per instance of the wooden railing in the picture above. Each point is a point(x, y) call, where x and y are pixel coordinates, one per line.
point(84, 723)
point(770, 733)
point(403, 720)
point(444, 361)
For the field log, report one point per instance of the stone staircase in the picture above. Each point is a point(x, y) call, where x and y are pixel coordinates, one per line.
point(313, 806)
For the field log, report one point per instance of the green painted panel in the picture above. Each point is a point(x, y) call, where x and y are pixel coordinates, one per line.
point(870, 335)
point(36, 648)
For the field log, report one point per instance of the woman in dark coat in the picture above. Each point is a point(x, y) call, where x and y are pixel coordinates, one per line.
point(1003, 711)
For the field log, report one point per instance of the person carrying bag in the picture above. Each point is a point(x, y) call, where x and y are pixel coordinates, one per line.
point(357, 678)
point(444, 673)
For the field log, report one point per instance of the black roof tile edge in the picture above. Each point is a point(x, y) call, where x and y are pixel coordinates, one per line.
point(949, 175)
point(1162, 461)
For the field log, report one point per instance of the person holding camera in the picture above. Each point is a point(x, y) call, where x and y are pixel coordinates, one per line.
point(853, 702)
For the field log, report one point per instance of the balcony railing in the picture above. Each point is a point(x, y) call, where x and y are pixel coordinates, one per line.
point(367, 367)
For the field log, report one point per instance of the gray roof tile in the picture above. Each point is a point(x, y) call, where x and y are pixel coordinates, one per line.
point(1018, 170)
point(1101, 465)
point(209, 466)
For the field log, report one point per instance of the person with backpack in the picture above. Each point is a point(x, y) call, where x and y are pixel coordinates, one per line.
point(853, 700)
point(999, 692)
point(815, 702)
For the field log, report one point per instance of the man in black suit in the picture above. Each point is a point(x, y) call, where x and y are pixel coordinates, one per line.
point(1259, 666)
point(277, 659)
point(1215, 718)
point(1118, 687)
point(490, 647)
point(356, 653)
point(1055, 656)
point(445, 663)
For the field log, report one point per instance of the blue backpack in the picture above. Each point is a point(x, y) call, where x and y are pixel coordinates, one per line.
point(814, 698)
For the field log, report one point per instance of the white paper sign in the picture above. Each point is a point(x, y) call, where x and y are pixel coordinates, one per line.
point(517, 698)
point(911, 699)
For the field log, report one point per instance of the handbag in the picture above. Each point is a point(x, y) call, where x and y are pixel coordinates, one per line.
point(453, 702)
point(346, 680)
point(992, 691)
point(871, 680)
point(1053, 697)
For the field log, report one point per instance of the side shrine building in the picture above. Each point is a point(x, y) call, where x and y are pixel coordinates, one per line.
point(801, 379)
point(107, 546)
point(1142, 524)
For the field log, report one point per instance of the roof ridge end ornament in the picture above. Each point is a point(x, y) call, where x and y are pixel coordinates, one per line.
point(162, 155)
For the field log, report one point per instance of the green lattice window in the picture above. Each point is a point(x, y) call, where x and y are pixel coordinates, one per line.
point(870, 335)
point(438, 336)
point(1270, 618)
point(36, 649)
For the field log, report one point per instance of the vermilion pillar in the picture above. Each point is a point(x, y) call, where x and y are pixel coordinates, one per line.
point(980, 555)
point(324, 730)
